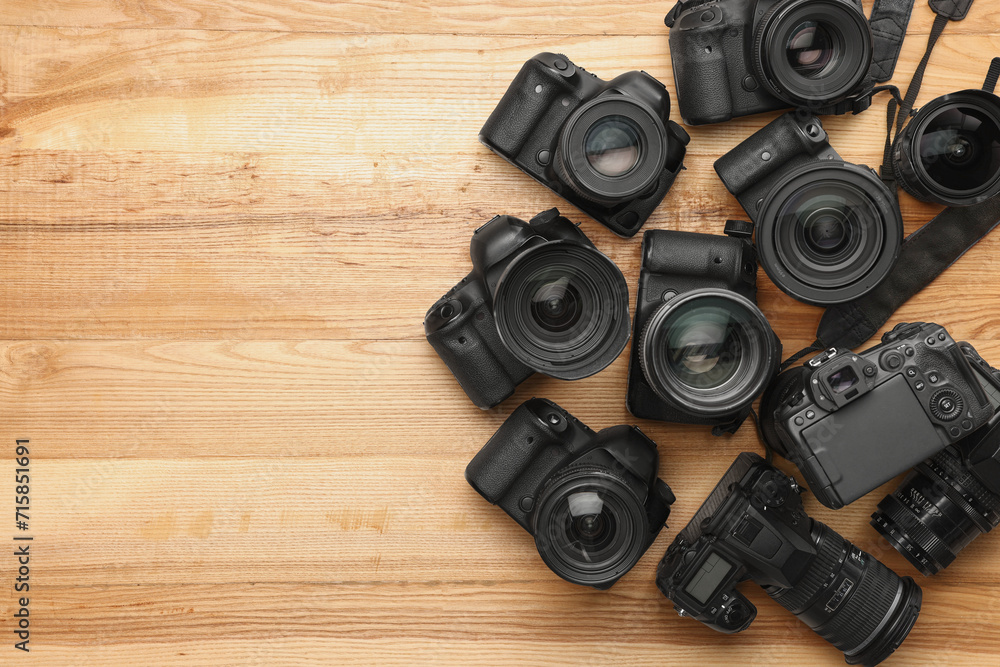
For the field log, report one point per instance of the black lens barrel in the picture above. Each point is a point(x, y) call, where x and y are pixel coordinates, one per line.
point(852, 600)
point(938, 510)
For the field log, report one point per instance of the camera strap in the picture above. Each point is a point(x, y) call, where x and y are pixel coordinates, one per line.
point(888, 22)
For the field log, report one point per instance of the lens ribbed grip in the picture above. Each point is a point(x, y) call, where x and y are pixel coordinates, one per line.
point(897, 515)
point(796, 599)
point(956, 470)
point(870, 603)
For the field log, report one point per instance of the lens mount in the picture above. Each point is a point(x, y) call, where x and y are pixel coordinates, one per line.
point(709, 352)
point(950, 152)
point(562, 309)
point(590, 527)
point(829, 232)
point(612, 149)
point(813, 53)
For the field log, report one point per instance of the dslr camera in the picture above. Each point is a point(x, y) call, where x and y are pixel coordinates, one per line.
point(951, 498)
point(608, 147)
point(753, 526)
point(540, 298)
point(740, 57)
point(851, 422)
point(704, 350)
point(592, 501)
point(827, 231)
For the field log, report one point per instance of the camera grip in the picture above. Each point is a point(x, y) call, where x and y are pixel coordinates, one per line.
point(472, 349)
point(768, 150)
point(513, 448)
point(524, 106)
point(701, 75)
point(700, 261)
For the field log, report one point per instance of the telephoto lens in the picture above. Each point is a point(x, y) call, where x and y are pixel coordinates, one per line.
point(753, 526)
point(950, 152)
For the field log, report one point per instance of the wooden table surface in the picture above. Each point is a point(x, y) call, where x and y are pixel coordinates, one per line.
point(221, 224)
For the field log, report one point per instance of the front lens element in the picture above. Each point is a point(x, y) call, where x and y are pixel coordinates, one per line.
point(562, 309)
point(708, 353)
point(810, 49)
point(590, 526)
point(613, 146)
point(960, 148)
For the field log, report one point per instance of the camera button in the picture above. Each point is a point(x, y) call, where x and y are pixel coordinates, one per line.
point(561, 65)
point(910, 352)
point(955, 431)
point(708, 16)
point(967, 425)
point(911, 373)
point(891, 361)
point(920, 387)
point(750, 84)
point(543, 157)
point(942, 337)
point(810, 415)
point(931, 341)
point(527, 503)
point(933, 378)
point(799, 421)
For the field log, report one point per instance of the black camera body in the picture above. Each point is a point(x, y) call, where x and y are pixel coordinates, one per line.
point(683, 270)
point(733, 58)
point(545, 125)
point(851, 422)
point(827, 231)
point(951, 498)
point(753, 526)
point(466, 325)
point(556, 477)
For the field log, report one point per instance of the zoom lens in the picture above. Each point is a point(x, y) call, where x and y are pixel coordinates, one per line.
point(709, 352)
point(813, 52)
point(562, 309)
point(950, 152)
point(611, 150)
point(936, 512)
point(829, 233)
point(590, 526)
point(852, 600)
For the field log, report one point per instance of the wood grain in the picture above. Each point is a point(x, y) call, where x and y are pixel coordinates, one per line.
point(221, 226)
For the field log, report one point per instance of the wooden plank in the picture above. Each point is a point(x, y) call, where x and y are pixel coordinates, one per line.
point(544, 17)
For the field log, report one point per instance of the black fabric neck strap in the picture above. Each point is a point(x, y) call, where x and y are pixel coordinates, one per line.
point(888, 23)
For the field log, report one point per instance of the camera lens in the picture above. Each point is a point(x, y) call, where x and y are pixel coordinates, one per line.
point(562, 309)
point(709, 352)
point(950, 153)
point(611, 150)
point(810, 49)
point(936, 512)
point(613, 146)
point(813, 52)
point(852, 600)
point(590, 526)
point(829, 233)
